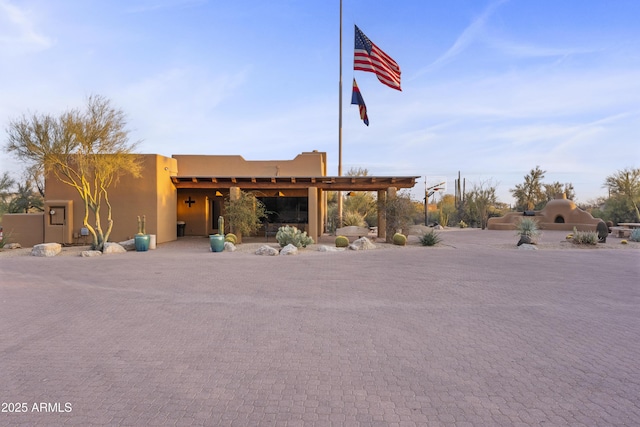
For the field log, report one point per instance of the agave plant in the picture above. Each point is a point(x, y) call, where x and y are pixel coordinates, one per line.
point(430, 238)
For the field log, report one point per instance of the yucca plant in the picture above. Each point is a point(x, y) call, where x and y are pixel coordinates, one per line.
point(353, 218)
point(527, 227)
point(528, 230)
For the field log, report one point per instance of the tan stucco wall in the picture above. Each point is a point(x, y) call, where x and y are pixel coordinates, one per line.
point(304, 164)
point(155, 196)
point(572, 215)
point(166, 199)
point(152, 195)
point(58, 221)
point(196, 215)
point(26, 229)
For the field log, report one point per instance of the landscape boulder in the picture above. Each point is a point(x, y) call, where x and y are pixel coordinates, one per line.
point(362, 244)
point(13, 246)
point(290, 249)
point(603, 231)
point(113, 248)
point(128, 245)
point(267, 250)
point(46, 249)
point(528, 246)
point(525, 240)
point(230, 247)
point(87, 254)
point(325, 248)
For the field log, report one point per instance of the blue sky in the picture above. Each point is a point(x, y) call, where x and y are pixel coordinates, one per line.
point(490, 88)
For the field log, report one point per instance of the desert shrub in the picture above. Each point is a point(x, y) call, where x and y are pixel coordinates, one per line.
point(353, 218)
point(462, 224)
point(230, 237)
point(291, 235)
point(399, 239)
point(527, 227)
point(585, 237)
point(635, 235)
point(245, 214)
point(342, 242)
point(430, 238)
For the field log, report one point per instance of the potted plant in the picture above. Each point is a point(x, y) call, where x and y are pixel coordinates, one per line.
point(528, 230)
point(142, 239)
point(216, 241)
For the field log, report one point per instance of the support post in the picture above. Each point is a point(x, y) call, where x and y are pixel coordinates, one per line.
point(312, 213)
point(234, 194)
point(382, 217)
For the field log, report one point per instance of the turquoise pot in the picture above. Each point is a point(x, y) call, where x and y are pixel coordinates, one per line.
point(217, 242)
point(142, 242)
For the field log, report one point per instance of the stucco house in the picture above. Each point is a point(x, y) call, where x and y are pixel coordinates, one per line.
point(192, 189)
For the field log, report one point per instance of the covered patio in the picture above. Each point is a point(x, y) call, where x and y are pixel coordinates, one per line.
point(310, 189)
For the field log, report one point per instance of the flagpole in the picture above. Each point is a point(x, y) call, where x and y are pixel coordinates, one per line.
point(340, 124)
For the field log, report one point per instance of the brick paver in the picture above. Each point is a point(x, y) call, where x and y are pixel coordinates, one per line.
point(469, 334)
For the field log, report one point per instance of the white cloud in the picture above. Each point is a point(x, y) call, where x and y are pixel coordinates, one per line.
point(470, 34)
point(18, 31)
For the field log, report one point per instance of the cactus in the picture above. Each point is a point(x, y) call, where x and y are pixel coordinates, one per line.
point(430, 239)
point(230, 238)
point(399, 239)
point(142, 224)
point(221, 225)
point(342, 242)
point(289, 234)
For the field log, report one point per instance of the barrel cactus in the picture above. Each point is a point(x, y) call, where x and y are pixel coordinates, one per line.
point(342, 242)
point(230, 237)
point(399, 239)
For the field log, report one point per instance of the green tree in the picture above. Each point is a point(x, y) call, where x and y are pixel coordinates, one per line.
point(480, 202)
point(530, 194)
point(88, 150)
point(245, 214)
point(551, 190)
point(446, 209)
point(625, 184)
point(361, 204)
point(6, 192)
point(400, 212)
point(616, 209)
point(26, 200)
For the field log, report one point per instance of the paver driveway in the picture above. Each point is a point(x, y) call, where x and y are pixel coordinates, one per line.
point(455, 336)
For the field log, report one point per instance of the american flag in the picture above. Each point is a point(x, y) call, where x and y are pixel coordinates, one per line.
point(369, 57)
point(356, 98)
